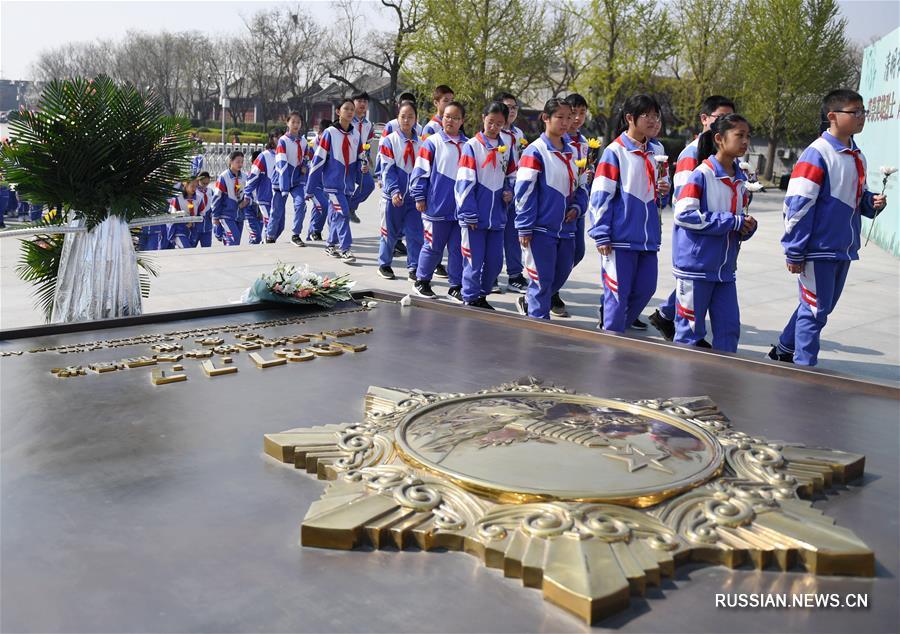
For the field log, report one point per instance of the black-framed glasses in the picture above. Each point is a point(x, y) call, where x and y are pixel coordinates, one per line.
point(859, 114)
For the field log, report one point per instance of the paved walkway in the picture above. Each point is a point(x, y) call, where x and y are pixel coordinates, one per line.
point(861, 339)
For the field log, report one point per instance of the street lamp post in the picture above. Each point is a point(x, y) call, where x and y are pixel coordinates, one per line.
point(223, 101)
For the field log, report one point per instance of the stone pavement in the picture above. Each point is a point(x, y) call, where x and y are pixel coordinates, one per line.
point(861, 339)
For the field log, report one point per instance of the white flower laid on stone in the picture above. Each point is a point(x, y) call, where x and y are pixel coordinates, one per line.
point(886, 171)
point(288, 283)
point(406, 301)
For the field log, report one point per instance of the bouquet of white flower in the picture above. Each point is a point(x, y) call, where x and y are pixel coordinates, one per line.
point(288, 284)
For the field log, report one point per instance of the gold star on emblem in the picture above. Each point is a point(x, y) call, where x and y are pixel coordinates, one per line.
point(638, 459)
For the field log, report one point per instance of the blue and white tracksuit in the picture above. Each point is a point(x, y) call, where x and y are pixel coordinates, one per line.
point(291, 157)
point(184, 236)
point(580, 149)
point(547, 188)
point(227, 194)
point(319, 201)
point(365, 182)
point(203, 231)
point(334, 169)
point(623, 214)
point(825, 199)
point(484, 174)
point(687, 162)
point(259, 187)
point(398, 158)
point(706, 239)
point(389, 128)
point(512, 250)
point(433, 181)
point(434, 125)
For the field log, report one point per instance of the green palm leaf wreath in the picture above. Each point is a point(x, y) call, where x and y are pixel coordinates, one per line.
point(93, 149)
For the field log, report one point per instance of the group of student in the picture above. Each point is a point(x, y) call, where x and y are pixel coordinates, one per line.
point(495, 198)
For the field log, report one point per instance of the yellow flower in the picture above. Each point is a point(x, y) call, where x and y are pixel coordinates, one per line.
point(502, 149)
point(594, 143)
point(581, 163)
point(523, 142)
point(367, 146)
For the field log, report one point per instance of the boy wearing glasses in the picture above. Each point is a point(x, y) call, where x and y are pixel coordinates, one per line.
point(825, 197)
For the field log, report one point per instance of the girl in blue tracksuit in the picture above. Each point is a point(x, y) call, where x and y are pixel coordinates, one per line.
point(433, 180)
point(229, 199)
point(398, 209)
point(512, 250)
point(334, 169)
point(710, 224)
point(623, 217)
point(365, 184)
point(259, 186)
point(484, 187)
point(291, 162)
point(252, 212)
point(189, 201)
point(202, 231)
point(549, 200)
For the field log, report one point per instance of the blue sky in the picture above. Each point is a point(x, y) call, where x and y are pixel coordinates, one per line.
point(26, 28)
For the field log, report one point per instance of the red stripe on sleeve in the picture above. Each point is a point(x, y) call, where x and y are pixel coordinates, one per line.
point(809, 172)
point(687, 164)
point(385, 149)
point(221, 186)
point(325, 143)
point(531, 162)
point(258, 163)
point(691, 190)
point(467, 160)
point(608, 170)
point(280, 149)
point(425, 153)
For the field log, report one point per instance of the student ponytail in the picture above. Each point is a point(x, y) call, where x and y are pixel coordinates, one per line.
point(706, 142)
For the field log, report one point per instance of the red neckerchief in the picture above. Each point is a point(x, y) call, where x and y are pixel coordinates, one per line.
point(732, 185)
point(568, 163)
point(645, 154)
point(860, 173)
point(492, 151)
point(345, 147)
point(409, 152)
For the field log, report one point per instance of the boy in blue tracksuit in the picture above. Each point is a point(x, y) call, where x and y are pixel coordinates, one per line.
point(334, 168)
point(259, 186)
point(291, 161)
point(229, 199)
point(825, 198)
point(710, 225)
point(253, 212)
point(484, 187)
point(433, 182)
point(549, 200)
point(713, 107)
point(319, 200)
point(623, 213)
point(365, 182)
point(398, 153)
point(202, 231)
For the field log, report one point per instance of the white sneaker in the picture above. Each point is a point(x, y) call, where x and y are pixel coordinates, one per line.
point(347, 256)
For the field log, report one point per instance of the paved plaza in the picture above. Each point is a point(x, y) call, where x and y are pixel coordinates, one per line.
point(862, 337)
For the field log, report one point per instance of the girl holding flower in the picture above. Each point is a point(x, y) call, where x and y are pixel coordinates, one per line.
point(484, 188)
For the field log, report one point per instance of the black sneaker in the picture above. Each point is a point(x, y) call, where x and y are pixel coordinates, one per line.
point(347, 256)
point(354, 217)
point(315, 236)
point(331, 250)
point(481, 302)
point(666, 327)
point(423, 289)
point(440, 271)
point(495, 288)
point(455, 294)
point(399, 248)
point(270, 240)
point(558, 306)
point(638, 325)
point(297, 240)
point(703, 343)
point(776, 355)
point(386, 272)
point(522, 305)
point(517, 284)
point(411, 276)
